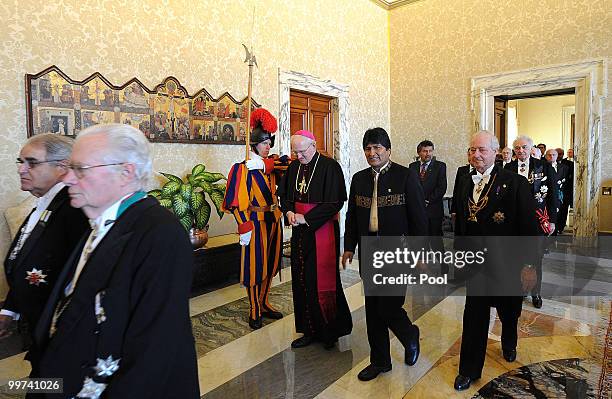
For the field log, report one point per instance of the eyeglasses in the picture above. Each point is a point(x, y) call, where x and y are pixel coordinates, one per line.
point(303, 152)
point(473, 150)
point(32, 163)
point(79, 170)
point(521, 147)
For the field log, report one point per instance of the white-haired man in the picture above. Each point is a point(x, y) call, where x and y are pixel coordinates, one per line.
point(540, 176)
point(493, 206)
point(312, 193)
point(506, 156)
point(47, 236)
point(117, 322)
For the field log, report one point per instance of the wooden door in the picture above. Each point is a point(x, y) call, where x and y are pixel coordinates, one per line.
point(500, 121)
point(312, 112)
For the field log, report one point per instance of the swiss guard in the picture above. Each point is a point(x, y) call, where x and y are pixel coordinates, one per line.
point(251, 197)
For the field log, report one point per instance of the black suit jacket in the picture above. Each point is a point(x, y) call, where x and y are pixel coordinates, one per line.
point(561, 181)
point(509, 212)
point(543, 188)
point(461, 170)
point(46, 249)
point(140, 275)
point(401, 206)
point(568, 189)
point(434, 186)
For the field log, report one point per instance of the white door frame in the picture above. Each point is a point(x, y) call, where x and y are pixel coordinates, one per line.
point(288, 80)
point(589, 79)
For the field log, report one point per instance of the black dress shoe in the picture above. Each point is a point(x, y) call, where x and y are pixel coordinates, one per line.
point(537, 301)
point(411, 352)
point(272, 314)
point(255, 324)
point(371, 372)
point(329, 344)
point(301, 342)
point(510, 355)
point(462, 382)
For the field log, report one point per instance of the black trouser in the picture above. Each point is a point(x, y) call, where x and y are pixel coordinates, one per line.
point(435, 238)
point(384, 313)
point(562, 217)
point(476, 330)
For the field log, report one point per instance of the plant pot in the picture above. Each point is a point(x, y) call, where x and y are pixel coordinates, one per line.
point(198, 237)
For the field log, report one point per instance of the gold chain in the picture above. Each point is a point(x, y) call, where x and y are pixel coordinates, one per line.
point(299, 190)
point(475, 207)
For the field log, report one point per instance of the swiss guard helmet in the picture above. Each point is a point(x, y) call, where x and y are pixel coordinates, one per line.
point(263, 126)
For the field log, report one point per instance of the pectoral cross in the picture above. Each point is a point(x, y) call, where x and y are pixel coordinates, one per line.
point(302, 186)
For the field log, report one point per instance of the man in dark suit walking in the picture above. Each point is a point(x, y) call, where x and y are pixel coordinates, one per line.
point(540, 176)
point(561, 180)
point(47, 236)
point(461, 170)
point(432, 175)
point(117, 322)
point(568, 188)
point(492, 202)
point(385, 200)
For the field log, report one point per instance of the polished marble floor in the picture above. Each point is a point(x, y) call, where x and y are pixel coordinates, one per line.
point(565, 348)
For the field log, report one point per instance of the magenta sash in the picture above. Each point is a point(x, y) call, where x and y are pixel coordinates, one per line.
point(325, 244)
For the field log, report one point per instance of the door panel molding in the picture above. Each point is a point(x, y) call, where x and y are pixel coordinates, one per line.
point(288, 80)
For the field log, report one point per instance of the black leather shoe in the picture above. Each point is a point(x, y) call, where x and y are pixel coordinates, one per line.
point(301, 342)
point(255, 324)
point(411, 352)
point(371, 372)
point(510, 355)
point(329, 344)
point(537, 301)
point(272, 314)
point(462, 382)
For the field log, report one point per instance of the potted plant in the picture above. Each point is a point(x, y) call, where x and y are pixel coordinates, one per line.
point(187, 200)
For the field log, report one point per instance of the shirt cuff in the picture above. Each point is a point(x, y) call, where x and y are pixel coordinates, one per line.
point(245, 227)
point(14, 315)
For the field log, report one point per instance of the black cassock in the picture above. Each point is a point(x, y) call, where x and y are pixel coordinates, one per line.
point(320, 307)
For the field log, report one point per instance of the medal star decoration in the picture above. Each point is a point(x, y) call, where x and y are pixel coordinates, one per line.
point(499, 217)
point(91, 389)
point(106, 367)
point(36, 277)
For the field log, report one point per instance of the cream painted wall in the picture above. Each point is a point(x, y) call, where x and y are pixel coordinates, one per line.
point(198, 42)
point(542, 118)
point(437, 46)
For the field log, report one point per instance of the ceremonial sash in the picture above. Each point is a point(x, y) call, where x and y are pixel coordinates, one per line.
point(325, 241)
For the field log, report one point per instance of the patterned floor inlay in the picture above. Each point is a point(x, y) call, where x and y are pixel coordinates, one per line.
point(306, 372)
point(216, 327)
point(563, 378)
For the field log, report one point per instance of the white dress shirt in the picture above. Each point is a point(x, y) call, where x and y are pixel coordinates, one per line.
point(485, 178)
point(525, 172)
point(100, 227)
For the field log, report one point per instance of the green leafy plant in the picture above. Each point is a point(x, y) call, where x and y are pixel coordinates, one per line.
point(187, 198)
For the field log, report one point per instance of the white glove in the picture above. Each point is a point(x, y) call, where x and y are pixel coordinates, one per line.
point(245, 238)
point(255, 164)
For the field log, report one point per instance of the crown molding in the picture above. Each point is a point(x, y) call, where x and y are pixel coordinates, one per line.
point(391, 4)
